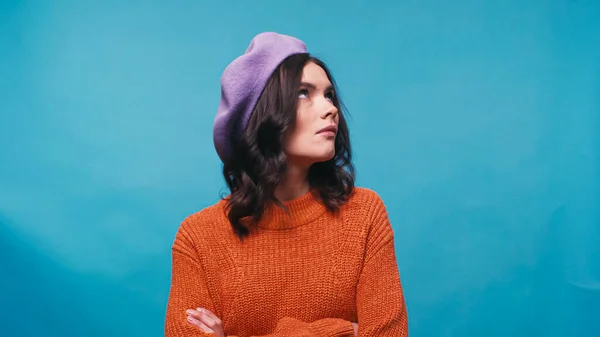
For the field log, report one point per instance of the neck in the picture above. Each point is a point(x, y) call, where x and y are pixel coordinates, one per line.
point(293, 185)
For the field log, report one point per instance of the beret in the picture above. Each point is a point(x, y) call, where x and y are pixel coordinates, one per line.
point(242, 83)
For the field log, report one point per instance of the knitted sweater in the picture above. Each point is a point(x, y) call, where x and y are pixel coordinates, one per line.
point(308, 272)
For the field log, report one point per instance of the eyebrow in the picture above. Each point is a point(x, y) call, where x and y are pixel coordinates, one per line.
point(313, 87)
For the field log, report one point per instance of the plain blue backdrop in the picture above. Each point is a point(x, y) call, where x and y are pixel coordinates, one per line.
point(476, 121)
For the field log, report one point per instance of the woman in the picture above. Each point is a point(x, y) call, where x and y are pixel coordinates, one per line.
point(295, 249)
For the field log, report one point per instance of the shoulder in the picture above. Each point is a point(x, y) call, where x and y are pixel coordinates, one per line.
point(365, 210)
point(366, 201)
point(364, 193)
point(214, 213)
point(207, 225)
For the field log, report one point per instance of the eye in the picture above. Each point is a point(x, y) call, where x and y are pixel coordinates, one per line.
point(330, 95)
point(303, 93)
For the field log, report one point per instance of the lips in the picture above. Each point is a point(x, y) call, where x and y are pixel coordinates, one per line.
point(328, 129)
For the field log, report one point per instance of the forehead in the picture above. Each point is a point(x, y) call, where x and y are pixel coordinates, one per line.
point(315, 75)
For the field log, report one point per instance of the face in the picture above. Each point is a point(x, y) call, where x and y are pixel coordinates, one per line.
point(313, 137)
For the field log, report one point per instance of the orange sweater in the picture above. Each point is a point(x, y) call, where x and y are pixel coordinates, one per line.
point(311, 274)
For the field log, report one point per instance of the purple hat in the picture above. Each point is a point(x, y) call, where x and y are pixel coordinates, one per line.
point(243, 82)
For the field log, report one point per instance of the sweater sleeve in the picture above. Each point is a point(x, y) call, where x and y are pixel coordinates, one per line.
point(326, 327)
point(380, 299)
point(188, 288)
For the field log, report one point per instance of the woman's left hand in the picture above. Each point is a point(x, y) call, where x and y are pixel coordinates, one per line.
point(205, 321)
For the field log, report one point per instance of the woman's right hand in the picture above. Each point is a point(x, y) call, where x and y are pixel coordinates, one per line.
point(355, 326)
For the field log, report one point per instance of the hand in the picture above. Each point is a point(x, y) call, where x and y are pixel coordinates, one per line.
point(205, 321)
point(355, 326)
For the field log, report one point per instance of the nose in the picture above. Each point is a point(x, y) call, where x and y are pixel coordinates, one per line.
point(329, 110)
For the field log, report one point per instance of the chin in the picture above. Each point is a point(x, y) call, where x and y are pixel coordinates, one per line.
point(312, 156)
point(325, 156)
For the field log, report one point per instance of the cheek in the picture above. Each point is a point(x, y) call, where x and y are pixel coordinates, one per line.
point(307, 118)
point(296, 139)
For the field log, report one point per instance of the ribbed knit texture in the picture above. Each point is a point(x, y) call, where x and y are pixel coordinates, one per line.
point(304, 273)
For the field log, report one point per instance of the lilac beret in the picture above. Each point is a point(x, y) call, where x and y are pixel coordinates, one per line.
point(242, 84)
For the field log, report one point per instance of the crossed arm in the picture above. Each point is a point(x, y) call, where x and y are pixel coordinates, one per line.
point(208, 322)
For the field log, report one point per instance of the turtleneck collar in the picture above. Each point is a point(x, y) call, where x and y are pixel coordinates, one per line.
point(300, 211)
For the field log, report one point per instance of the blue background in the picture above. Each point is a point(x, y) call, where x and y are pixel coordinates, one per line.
point(476, 121)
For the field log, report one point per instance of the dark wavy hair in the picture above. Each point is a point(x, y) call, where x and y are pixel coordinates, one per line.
point(259, 162)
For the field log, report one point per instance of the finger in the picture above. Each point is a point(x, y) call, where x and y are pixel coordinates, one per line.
point(194, 313)
point(211, 315)
point(208, 320)
point(198, 324)
point(201, 317)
